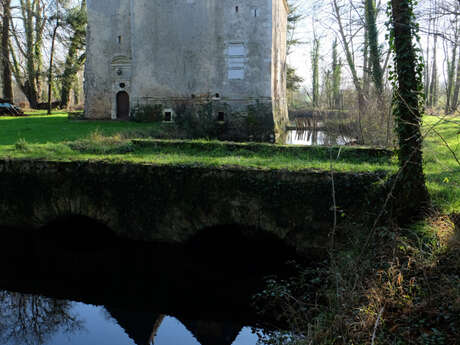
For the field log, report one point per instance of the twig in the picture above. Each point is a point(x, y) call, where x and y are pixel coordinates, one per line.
point(376, 325)
point(447, 145)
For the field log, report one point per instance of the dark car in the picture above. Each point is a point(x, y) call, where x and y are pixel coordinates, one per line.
point(7, 108)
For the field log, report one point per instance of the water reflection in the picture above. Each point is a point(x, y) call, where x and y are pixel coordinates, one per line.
point(35, 320)
point(198, 293)
point(30, 319)
point(315, 130)
point(310, 137)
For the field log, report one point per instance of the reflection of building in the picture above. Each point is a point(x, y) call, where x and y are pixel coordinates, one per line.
point(163, 52)
point(213, 333)
point(142, 328)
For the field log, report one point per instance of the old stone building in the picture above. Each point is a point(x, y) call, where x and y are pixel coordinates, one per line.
point(229, 54)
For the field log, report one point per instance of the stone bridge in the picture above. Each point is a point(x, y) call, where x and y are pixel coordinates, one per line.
point(172, 203)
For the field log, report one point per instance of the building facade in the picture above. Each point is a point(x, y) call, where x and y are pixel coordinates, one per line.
point(230, 53)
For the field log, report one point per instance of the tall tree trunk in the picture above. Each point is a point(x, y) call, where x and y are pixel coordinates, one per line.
point(457, 87)
point(427, 60)
point(28, 42)
point(38, 43)
point(30, 83)
point(73, 62)
point(336, 76)
point(374, 54)
point(315, 72)
point(352, 66)
point(450, 78)
point(50, 72)
point(412, 198)
point(433, 99)
point(7, 81)
point(366, 67)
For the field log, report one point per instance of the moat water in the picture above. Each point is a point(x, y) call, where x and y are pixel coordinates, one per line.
point(73, 283)
point(315, 137)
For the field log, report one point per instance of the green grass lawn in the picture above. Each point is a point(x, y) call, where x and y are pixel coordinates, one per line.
point(56, 137)
point(441, 168)
point(41, 129)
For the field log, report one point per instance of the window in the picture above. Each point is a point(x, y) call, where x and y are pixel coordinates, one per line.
point(255, 12)
point(221, 116)
point(236, 9)
point(236, 49)
point(236, 60)
point(119, 39)
point(168, 116)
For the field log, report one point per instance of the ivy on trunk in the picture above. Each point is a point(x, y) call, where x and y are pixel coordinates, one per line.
point(411, 195)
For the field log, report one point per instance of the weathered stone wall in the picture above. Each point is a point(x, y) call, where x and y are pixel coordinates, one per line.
point(169, 51)
point(184, 48)
point(173, 203)
point(108, 37)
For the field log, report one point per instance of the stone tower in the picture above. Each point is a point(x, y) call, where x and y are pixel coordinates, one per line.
point(230, 53)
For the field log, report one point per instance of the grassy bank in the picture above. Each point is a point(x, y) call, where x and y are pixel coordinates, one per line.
point(57, 138)
point(383, 284)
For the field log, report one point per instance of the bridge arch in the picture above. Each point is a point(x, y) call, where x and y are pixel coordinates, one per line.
point(235, 247)
point(76, 233)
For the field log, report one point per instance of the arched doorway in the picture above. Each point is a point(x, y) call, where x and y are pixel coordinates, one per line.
point(122, 105)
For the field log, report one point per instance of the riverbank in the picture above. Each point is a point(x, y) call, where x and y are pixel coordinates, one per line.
point(56, 137)
point(384, 284)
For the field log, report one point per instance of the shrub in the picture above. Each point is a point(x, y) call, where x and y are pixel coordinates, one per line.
point(147, 113)
point(22, 145)
point(259, 122)
point(97, 143)
point(198, 120)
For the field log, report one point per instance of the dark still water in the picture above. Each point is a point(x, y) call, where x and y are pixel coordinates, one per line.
point(76, 283)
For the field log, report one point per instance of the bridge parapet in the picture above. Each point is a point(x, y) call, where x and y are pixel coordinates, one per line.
point(172, 203)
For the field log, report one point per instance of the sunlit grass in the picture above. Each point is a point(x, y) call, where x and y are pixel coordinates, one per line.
point(40, 128)
point(441, 168)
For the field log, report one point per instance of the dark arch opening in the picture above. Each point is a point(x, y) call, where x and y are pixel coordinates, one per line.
point(77, 233)
point(123, 105)
point(239, 250)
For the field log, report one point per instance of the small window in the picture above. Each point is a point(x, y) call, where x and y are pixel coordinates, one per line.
point(168, 116)
point(119, 39)
point(236, 9)
point(236, 49)
point(255, 12)
point(237, 73)
point(236, 60)
point(122, 85)
point(221, 116)
point(217, 95)
point(193, 95)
